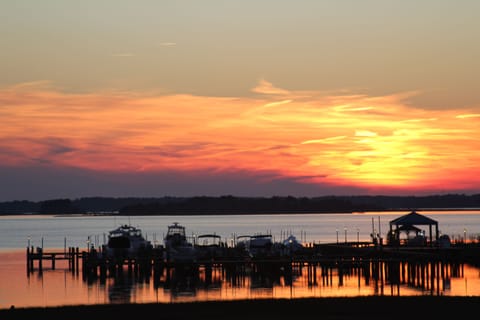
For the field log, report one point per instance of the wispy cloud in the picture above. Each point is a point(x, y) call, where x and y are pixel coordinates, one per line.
point(277, 103)
point(466, 116)
point(266, 87)
point(365, 133)
point(325, 140)
point(352, 140)
point(168, 44)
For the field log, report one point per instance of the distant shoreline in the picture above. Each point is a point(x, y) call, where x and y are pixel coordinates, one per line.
point(229, 205)
point(112, 214)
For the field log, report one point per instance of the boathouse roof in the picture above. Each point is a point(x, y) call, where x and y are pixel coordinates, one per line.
point(407, 222)
point(413, 218)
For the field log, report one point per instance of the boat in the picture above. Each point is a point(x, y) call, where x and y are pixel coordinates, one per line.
point(260, 245)
point(177, 246)
point(291, 245)
point(241, 247)
point(209, 246)
point(126, 242)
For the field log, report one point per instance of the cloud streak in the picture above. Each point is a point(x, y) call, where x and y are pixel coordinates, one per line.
point(168, 44)
point(373, 143)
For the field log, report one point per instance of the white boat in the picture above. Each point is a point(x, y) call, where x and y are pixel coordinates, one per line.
point(126, 242)
point(177, 247)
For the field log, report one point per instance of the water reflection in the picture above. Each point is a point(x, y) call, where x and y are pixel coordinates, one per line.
point(226, 281)
point(230, 281)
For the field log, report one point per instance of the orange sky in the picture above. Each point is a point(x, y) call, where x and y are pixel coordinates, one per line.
point(376, 143)
point(259, 98)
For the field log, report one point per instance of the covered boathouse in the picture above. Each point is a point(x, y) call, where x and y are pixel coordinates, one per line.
point(407, 225)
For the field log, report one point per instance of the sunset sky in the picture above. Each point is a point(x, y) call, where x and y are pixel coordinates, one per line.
point(248, 98)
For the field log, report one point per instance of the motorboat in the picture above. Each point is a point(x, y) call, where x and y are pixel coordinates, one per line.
point(177, 246)
point(260, 245)
point(209, 245)
point(126, 242)
point(291, 245)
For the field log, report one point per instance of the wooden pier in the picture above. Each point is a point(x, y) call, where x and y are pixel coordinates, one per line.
point(95, 258)
point(385, 273)
point(426, 268)
point(38, 255)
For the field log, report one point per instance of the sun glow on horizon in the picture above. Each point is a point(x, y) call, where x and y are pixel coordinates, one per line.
point(344, 140)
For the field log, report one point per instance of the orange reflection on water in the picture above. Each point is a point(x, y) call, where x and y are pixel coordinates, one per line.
point(64, 287)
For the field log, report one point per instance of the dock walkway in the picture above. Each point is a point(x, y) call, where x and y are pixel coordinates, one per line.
point(93, 261)
point(72, 255)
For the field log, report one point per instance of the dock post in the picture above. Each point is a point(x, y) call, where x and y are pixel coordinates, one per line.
point(340, 267)
point(40, 258)
point(28, 261)
point(86, 264)
point(53, 261)
point(72, 258)
point(31, 259)
point(77, 257)
point(70, 255)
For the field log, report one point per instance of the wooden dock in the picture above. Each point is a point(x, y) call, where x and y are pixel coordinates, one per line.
point(93, 263)
point(424, 268)
point(38, 255)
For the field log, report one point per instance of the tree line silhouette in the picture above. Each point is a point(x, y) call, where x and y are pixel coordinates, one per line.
point(229, 204)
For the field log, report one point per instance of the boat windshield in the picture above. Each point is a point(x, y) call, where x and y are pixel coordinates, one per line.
point(176, 229)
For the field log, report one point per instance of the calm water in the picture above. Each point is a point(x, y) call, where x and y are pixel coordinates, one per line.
point(61, 287)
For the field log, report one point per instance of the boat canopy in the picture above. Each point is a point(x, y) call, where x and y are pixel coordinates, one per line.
point(209, 235)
